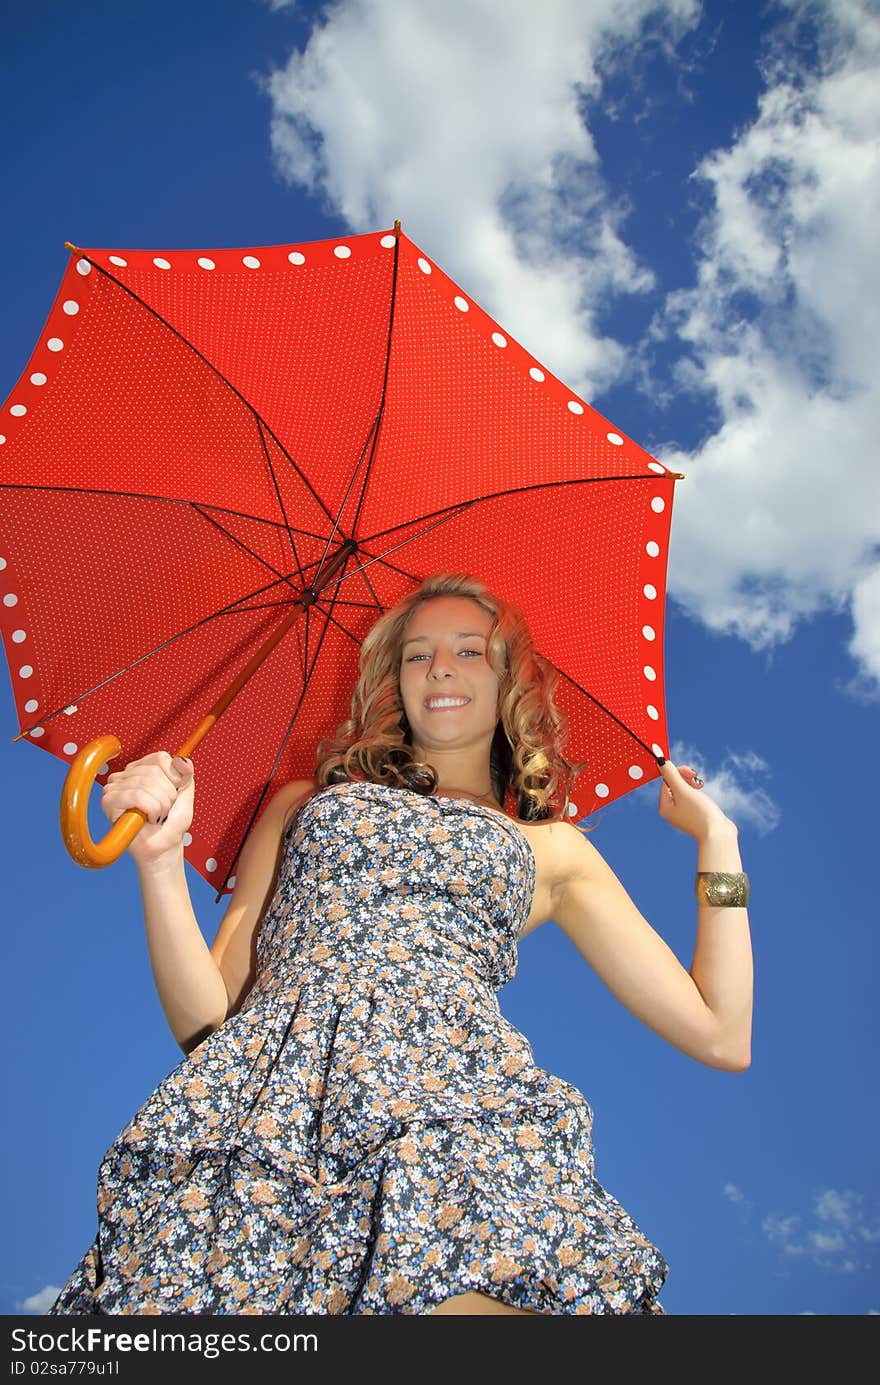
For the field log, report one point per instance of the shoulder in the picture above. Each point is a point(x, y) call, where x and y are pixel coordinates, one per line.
point(288, 798)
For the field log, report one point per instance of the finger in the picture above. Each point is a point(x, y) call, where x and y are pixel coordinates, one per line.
point(152, 807)
point(680, 775)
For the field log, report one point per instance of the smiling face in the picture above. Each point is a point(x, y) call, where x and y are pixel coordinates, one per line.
point(448, 687)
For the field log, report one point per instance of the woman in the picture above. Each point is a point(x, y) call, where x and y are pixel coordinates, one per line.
point(356, 1128)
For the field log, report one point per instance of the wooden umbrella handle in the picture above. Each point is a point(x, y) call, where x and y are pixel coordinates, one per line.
point(75, 809)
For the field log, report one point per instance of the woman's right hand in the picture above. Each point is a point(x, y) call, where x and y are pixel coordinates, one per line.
point(162, 786)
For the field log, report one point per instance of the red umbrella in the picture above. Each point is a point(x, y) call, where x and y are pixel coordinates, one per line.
point(219, 467)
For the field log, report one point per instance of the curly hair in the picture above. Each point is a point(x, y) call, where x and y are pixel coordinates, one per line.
point(528, 769)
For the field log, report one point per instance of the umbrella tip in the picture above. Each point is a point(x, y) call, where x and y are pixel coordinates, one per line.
point(68, 245)
point(397, 228)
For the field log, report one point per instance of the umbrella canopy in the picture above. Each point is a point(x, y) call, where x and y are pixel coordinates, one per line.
point(203, 440)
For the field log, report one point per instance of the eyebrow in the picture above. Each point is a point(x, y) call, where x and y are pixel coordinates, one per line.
point(459, 635)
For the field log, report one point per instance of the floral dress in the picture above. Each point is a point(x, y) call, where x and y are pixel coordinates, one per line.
point(368, 1133)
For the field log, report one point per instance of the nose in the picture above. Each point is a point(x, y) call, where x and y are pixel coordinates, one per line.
point(440, 665)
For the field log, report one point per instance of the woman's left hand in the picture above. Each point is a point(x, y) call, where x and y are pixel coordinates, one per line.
point(684, 805)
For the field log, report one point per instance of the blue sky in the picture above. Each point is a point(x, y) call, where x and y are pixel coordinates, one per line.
point(673, 206)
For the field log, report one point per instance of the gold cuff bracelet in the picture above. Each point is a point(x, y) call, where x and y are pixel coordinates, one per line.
point(722, 889)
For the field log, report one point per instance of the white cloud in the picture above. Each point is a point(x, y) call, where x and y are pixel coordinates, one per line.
point(735, 1195)
point(464, 119)
point(779, 514)
point(41, 1302)
point(835, 1234)
point(468, 121)
point(734, 786)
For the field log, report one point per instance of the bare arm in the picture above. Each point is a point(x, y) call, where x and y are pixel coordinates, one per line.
point(705, 1012)
point(197, 985)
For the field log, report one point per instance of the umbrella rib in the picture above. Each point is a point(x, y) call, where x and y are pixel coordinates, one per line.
point(336, 522)
point(220, 376)
point(602, 708)
point(229, 609)
point(278, 496)
point(161, 499)
point(373, 592)
point(250, 552)
point(461, 505)
point(381, 411)
point(392, 567)
point(356, 639)
point(305, 686)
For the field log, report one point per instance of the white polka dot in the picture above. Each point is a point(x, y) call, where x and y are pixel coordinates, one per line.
point(424, 266)
point(37, 732)
point(250, 262)
point(536, 374)
point(652, 549)
point(572, 810)
point(650, 592)
point(2, 439)
point(615, 438)
point(658, 750)
point(70, 748)
point(649, 632)
point(232, 879)
point(204, 263)
point(38, 378)
point(297, 257)
point(69, 711)
point(636, 772)
point(19, 636)
point(655, 466)
point(18, 410)
point(187, 838)
point(575, 407)
point(461, 303)
point(342, 252)
point(118, 260)
point(210, 864)
point(652, 712)
point(650, 673)
point(658, 504)
point(31, 705)
point(71, 307)
point(160, 263)
point(602, 791)
point(55, 344)
point(498, 339)
point(83, 267)
point(2, 564)
point(10, 599)
point(388, 241)
point(26, 671)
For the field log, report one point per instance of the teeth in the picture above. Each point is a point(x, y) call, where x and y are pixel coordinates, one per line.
point(448, 702)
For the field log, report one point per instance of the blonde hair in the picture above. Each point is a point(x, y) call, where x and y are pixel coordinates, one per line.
point(527, 764)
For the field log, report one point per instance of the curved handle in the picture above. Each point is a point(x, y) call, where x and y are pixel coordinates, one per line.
point(75, 809)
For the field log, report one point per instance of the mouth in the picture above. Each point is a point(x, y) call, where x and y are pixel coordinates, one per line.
point(443, 704)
